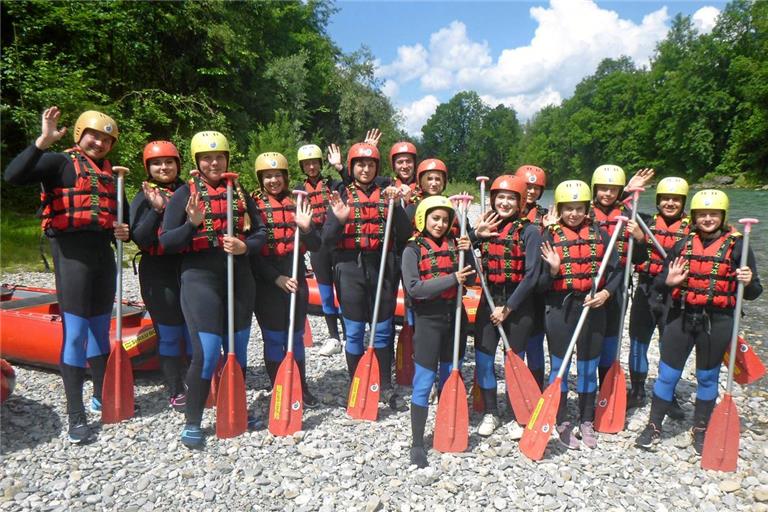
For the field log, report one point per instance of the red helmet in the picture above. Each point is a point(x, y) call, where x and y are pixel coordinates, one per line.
point(510, 183)
point(532, 174)
point(363, 150)
point(159, 149)
point(401, 148)
point(431, 164)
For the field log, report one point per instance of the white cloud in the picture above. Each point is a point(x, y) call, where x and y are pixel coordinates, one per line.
point(526, 105)
point(411, 63)
point(390, 88)
point(705, 18)
point(450, 48)
point(416, 113)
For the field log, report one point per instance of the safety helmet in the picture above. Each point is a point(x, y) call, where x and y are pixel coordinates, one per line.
point(363, 150)
point(431, 164)
point(94, 120)
point(672, 185)
point(572, 191)
point(531, 174)
point(400, 148)
point(710, 199)
point(429, 204)
point(608, 175)
point(203, 142)
point(309, 152)
point(160, 149)
point(510, 183)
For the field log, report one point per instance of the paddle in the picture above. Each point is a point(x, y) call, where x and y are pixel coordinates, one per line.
point(117, 392)
point(651, 237)
point(404, 355)
point(231, 409)
point(363, 400)
point(286, 406)
point(611, 410)
point(477, 395)
point(721, 441)
point(308, 339)
point(522, 389)
point(452, 418)
point(543, 420)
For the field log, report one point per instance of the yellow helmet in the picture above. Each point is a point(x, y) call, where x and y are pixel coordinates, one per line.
point(572, 191)
point(672, 185)
point(94, 120)
point(269, 161)
point(710, 199)
point(608, 175)
point(203, 142)
point(428, 204)
point(309, 152)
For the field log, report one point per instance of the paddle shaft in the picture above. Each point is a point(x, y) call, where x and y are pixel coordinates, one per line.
point(230, 275)
point(482, 180)
point(627, 275)
point(294, 275)
point(585, 310)
point(489, 298)
point(460, 287)
point(120, 212)
point(382, 270)
point(737, 309)
point(651, 237)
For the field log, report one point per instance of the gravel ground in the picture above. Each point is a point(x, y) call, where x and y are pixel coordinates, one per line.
point(338, 463)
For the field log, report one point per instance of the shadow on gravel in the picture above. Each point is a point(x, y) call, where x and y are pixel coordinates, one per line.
point(26, 424)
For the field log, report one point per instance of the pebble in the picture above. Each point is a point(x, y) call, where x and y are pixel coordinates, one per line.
point(337, 463)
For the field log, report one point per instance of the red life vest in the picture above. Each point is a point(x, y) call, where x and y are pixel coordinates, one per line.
point(437, 260)
point(608, 221)
point(581, 253)
point(319, 196)
point(90, 203)
point(364, 230)
point(156, 249)
point(413, 186)
point(280, 219)
point(213, 201)
point(711, 279)
point(536, 215)
point(667, 235)
point(504, 255)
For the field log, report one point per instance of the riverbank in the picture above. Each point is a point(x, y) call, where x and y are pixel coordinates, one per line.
point(337, 463)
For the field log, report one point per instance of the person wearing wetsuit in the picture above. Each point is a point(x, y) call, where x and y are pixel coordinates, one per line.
point(318, 191)
point(356, 232)
point(535, 180)
point(431, 277)
point(702, 274)
point(649, 307)
point(159, 273)
point(402, 158)
point(572, 251)
point(608, 183)
point(510, 262)
point(79, 212)
point(272, 267)
point(195, 222)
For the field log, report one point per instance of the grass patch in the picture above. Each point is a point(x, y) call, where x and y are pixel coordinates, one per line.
point(457, 187)
point(20, 245)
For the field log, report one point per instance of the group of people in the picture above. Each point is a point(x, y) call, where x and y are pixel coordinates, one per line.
point(539, 265)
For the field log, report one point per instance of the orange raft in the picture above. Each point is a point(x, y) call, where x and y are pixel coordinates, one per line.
point(31, 330)
point(471, 299)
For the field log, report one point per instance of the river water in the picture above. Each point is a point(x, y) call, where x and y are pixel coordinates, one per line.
point(743, 203)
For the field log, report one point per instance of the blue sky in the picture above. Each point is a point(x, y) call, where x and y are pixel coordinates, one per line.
point(523, 54)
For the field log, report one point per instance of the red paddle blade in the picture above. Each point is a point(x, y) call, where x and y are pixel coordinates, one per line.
point(477, 395)
point(542, 423)
point(231, 409)
point(522, 390)
point(308, 339)
point(404, 357)
point(452, 419)
point(721, 442)
point(611, 411)
point(363, 401)
point(286, 406)
point(213, 393)
point(117, 392)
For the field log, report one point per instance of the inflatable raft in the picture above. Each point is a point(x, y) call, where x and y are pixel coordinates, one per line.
point(32, 329)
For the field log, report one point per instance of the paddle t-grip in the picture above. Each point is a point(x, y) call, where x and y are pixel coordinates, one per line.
point(230, 176)
point(748, 221)
point(119, 169)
